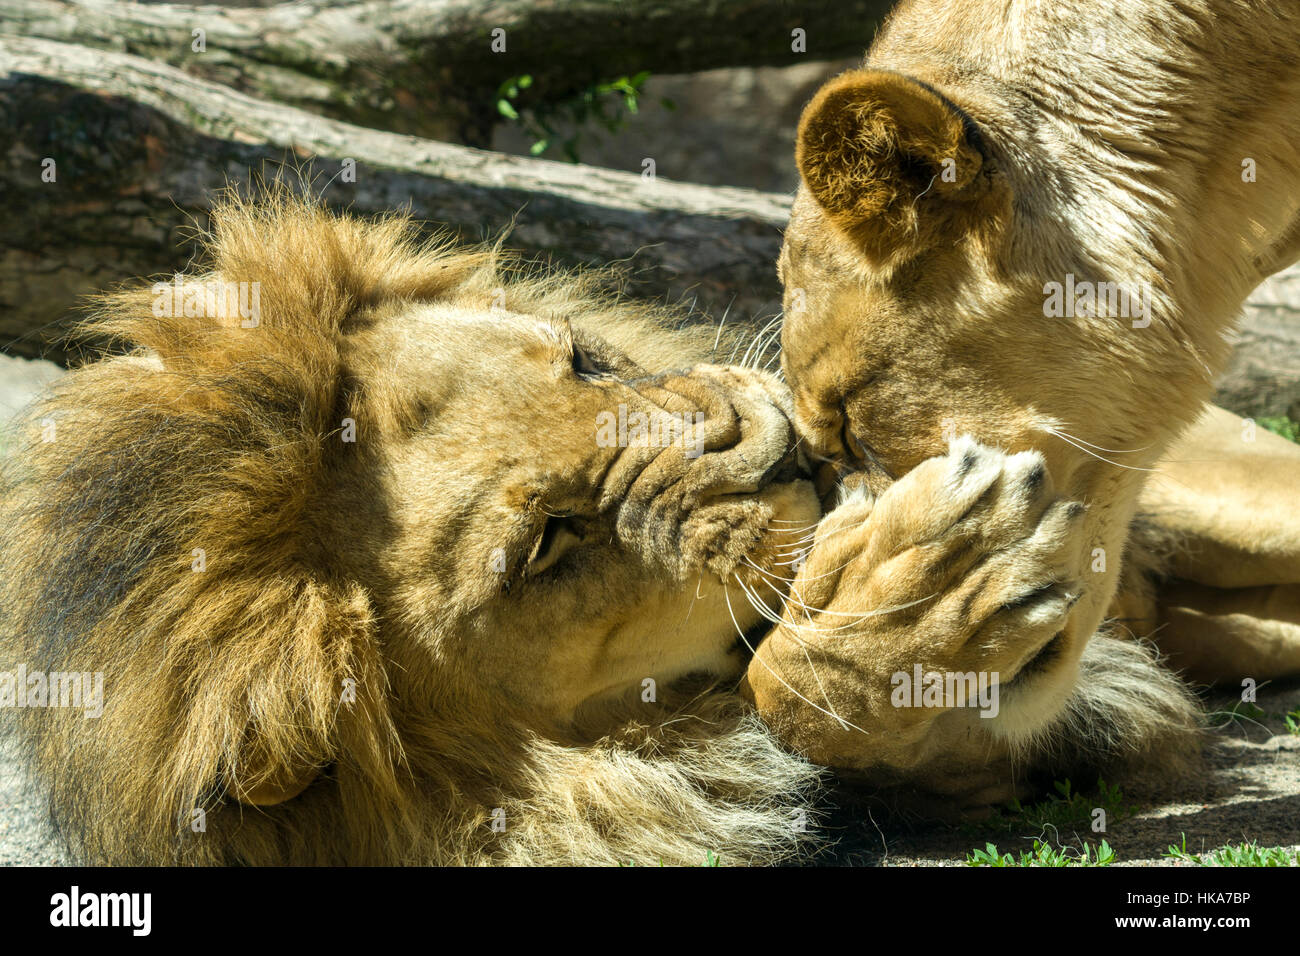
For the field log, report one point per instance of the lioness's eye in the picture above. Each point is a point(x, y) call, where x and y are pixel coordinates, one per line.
point(860, 452)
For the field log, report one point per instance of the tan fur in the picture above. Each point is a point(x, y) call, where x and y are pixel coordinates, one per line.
point(987, 149)
point(1218, 544)
point(969, 564)
point(471, 635)
point(350, 678)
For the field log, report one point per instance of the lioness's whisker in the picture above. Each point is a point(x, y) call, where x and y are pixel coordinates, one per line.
point(1062, 433)
point(1089, 451)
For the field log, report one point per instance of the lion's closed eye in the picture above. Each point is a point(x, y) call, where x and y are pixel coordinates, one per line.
point(594, 359)
point(587, 364)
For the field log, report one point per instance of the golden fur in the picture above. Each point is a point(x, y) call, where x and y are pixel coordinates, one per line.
point(984, 151)
point(969, 564)
point(375, 663)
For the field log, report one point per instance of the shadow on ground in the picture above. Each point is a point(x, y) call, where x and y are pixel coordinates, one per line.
point(1247, 789)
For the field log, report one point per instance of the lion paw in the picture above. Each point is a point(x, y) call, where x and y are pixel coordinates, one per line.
point(969, 563)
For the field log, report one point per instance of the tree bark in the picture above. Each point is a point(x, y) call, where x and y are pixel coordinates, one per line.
point(427, 67)
point(1263, 376)
point(139, 148)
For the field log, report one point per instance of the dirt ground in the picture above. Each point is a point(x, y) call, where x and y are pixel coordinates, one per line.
point(1247, 790)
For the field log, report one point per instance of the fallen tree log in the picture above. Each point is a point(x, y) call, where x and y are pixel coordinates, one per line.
point(432, 67)
point(1263, 376)
point(136, 150)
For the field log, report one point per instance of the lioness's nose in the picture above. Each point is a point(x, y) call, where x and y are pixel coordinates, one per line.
point(820, 424)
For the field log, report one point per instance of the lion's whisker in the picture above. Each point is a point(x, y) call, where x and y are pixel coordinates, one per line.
point(863, 615)
point(713, 353)
point(773, 336)
point(744, 359)
point(758, 604)
point(829, 713)
point(785, 600)
point(795, 635)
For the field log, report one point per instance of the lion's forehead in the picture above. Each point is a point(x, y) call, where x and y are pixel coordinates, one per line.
point(432, 362)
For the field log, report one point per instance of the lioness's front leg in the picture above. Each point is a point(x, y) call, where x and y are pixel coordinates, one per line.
point(966, 566)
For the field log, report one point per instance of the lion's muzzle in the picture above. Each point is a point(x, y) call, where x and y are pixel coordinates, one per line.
point(704, 495)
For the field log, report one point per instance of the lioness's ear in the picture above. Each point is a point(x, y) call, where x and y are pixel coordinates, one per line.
point(887, 158)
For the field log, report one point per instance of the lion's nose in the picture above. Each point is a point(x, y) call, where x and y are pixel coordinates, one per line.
point(755, 446)
point(743, 441)
point(742, 437)
point(791, 466)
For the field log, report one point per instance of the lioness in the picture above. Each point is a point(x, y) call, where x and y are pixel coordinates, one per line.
point(1033, 222)
point(385, 554)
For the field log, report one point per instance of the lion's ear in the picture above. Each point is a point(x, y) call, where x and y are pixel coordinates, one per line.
point(887, 157)
point(260, 781)
point(308, 690)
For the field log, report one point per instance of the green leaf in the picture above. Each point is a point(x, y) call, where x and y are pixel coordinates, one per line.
point(1282, 426)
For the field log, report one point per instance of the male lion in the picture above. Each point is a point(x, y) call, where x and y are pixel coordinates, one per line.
point(1033, 222)
point(365, 587)
point(368, 583)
